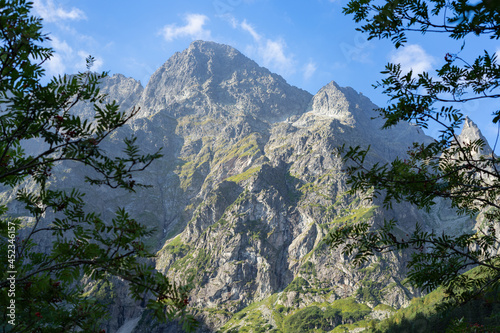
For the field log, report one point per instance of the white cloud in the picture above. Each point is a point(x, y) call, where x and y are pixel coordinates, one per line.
point(247, 27)
point(60, 46)
point(309, 70)
point(234, 23)
point(193, 28)
point(66, 60)
point(412, 57)
point(62, 52)
point(273, 54)
point(51, 12)
point(55, 66)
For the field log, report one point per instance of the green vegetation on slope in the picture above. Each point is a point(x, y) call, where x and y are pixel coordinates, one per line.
point(244, 175)
point(317, 317)
point(176, 247)
point(426, 315)
point(247, 146)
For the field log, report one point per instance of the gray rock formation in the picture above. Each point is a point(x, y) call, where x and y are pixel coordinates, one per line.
point(249, 186)
point(471, 133)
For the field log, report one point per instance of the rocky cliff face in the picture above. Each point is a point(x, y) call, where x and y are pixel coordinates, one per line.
point(214, 80)
point(249, 186)
point(471, 133)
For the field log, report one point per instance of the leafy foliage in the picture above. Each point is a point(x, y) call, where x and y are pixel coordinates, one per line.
point(394, 18)
point(45, 283)
point(462, 172)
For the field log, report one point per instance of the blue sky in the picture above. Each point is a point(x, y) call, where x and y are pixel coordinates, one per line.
point(309, 43)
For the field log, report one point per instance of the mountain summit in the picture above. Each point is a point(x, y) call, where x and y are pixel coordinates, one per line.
point(470, 133)
point(210, 78)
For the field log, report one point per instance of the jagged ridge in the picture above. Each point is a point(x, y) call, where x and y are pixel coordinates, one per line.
point(248, 188)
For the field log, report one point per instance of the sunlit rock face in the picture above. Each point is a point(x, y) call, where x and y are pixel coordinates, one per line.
point(248, 187)
point(470, 134)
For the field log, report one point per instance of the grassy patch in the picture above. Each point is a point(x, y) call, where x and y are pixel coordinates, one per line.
point(247, 146)
point(370, 291)
point(220, 311)
point(176, 247)
point(308, 269)
point(103, 291)
point(244, 175)
point(328, 318)
point(384, 307)
point(248, 320)
point(308, 319)
point(355, 215)
point(193, 264)
point(298, 284)
point(350, 309)
point(188, 171)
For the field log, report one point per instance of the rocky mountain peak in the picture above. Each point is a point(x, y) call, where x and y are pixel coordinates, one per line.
point(470, 133)
point(125, 90)
point(345, 105)
point(212, 50)
point(210, 79)
point(209, 60)
point(330, 102)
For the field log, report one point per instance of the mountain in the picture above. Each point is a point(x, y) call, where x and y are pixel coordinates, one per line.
point(214, 80)
point(471, 133)
point(248, 187)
